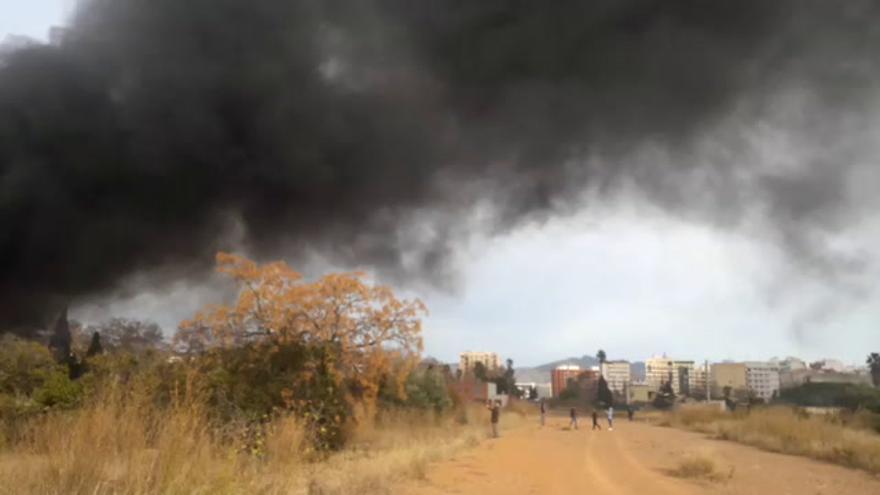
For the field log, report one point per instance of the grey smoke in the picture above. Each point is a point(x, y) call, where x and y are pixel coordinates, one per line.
point(334, 125)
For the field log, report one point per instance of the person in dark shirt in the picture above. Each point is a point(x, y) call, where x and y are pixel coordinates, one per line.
point(495, 410)
point(629, 412)
point(574, 419)
point(596, 421)
point(543, 411)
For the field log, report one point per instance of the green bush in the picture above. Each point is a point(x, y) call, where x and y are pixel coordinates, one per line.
point(58, 391)
point(255, 382)
point(426, 389)
point(845, 395)
point(31, 382)
point(24, 366)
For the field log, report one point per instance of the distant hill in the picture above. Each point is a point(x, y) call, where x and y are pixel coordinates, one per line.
point(541, 374)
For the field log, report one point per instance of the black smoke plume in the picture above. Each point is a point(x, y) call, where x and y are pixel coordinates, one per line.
point(328, 124)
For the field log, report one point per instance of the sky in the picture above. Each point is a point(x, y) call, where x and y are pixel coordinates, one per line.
point(32, 18)
point(624, 272)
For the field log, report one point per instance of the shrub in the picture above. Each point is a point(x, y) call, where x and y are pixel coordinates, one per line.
point(846, 395)
point(426, 389)
point(697, 467)
point(24, 366)
point(58, 391)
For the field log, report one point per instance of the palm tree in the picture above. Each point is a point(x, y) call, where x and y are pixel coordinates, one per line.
point(601, 356)
point(873, 362)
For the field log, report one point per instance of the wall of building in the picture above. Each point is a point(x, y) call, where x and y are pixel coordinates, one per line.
point(731, 375)
point(661, 370)
point(762, 379)
point(640, 393)
point(559, 378)
point(617, 374)
point(468, 360)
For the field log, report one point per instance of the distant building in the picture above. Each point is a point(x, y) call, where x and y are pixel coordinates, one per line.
point(728, 375)
point(700, 380)
point(617, 374)
point(659, 370)
point(560, 376)
point(472, 390)
point(796, 378)
point(640, 393)
point(762, 379)
point(789, 364)
point(467, 361)
point(835, 377)
point(544, 390)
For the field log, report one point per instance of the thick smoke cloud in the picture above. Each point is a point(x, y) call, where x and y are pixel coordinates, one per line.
point(158, 126)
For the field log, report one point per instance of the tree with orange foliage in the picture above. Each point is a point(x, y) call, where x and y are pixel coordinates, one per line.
point(360, 329)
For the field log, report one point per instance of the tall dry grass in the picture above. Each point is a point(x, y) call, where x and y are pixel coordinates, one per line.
point(838, 438)
point(112, 446)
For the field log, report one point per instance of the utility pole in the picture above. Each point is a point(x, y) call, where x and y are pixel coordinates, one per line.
point(708, 382)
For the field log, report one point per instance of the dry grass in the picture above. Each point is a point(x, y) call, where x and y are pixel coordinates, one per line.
point(699, 467)
point(832, 438)
point(111, 447)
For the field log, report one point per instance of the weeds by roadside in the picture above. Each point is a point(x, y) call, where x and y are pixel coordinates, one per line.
point(113, 447)
point(841, 439)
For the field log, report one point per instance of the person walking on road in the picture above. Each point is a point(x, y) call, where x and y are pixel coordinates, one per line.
point(629, 412)
point(610, 418)
point(574, 419)
point(543, 411)
point(495, 409)
point(596, 421)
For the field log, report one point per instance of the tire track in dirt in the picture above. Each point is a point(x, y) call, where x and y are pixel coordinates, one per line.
point(615, 470)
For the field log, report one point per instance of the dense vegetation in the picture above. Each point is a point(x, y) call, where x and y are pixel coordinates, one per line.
point(845, 395)
point(330, 353)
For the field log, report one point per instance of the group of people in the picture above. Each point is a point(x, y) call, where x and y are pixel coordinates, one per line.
point(574, 419)
point(494, 408)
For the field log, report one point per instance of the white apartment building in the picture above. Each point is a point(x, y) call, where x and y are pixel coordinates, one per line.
point(659, 370)
point(762, 379)
point(468, 360)
point(617, 374)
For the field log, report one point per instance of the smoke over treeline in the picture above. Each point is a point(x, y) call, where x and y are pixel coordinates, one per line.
point(157, 125)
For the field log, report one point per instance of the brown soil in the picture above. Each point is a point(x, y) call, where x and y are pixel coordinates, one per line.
point(634, 458)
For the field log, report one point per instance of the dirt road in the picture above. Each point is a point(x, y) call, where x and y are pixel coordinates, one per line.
point(634, 458)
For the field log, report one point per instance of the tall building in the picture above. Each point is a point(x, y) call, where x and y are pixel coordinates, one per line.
point(560, 376)
point(762, 379)
point(659, 370)
point(728, 375)
point(700, 380)
point(617, 374)
point(467, 361)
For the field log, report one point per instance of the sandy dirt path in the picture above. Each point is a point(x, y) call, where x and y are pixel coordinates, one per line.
point(634, 458)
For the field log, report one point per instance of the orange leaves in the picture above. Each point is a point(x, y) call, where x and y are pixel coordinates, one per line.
point(362, 322)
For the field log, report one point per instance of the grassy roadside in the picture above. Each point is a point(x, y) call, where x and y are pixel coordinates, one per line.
point(845, 439)
point(114, 448)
